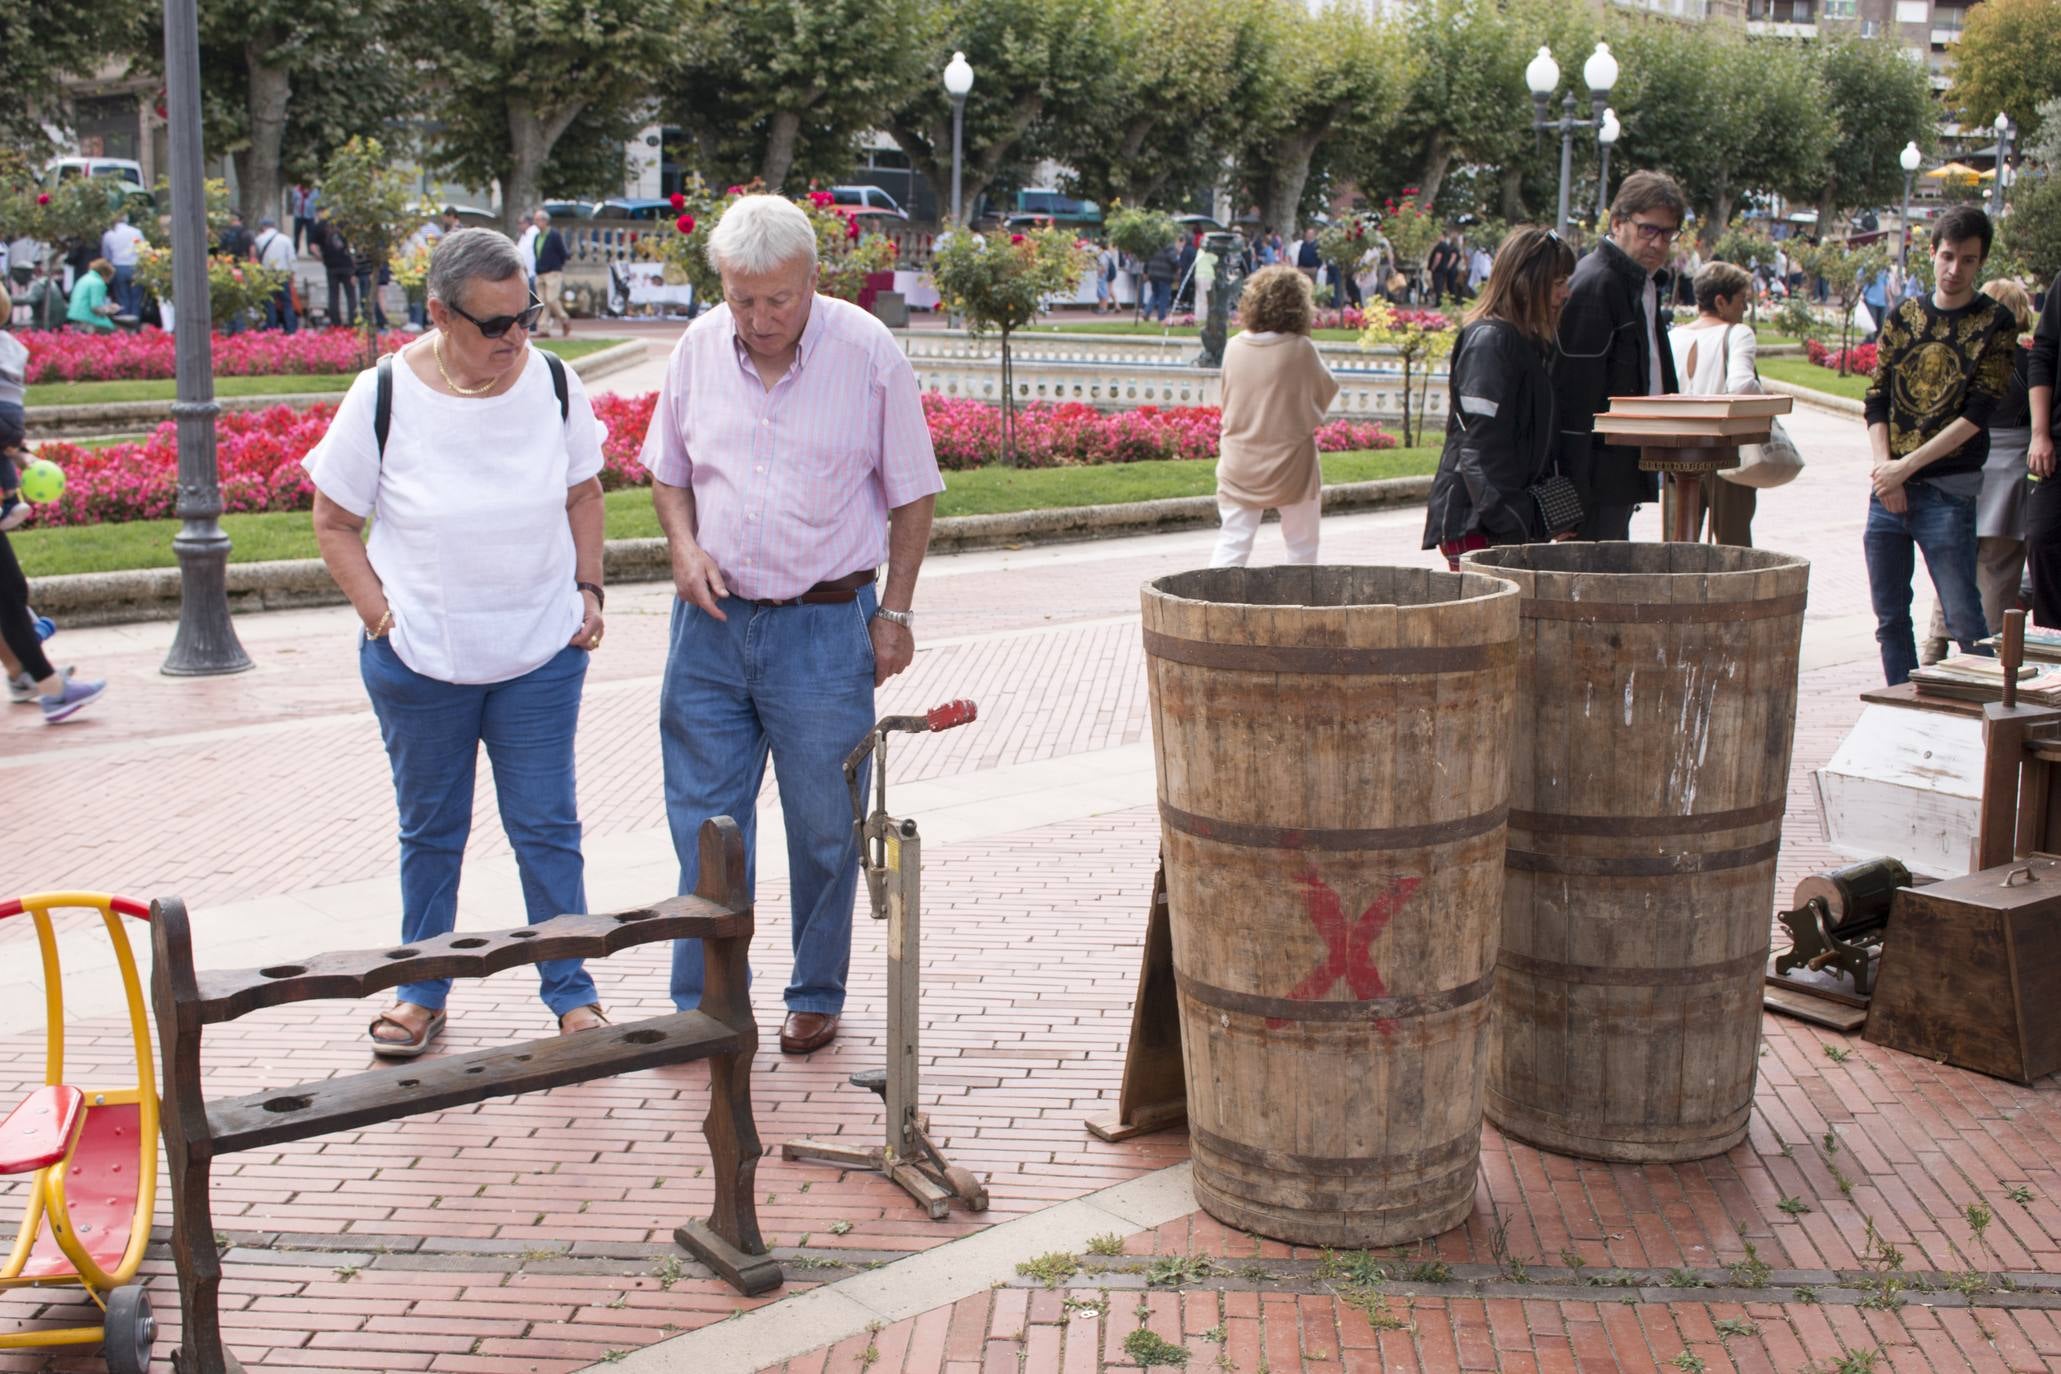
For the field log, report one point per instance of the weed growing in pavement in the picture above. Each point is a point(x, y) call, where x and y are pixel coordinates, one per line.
point(840, 1228)
point(1351, 1266)
point(1751, 1271)
point(1614, 1278)
point(1374, 1307)
point(1258, 1273)
point(1050, 1270)
point(1979, 1218)
point(2021, 1195)
point(1109, 1243)
point(614, 1356)
point(1831, 1142)
point(1216, 1335)
point(870, 1356)
point(1429, 1271)
point(1852, 1362)
point(1885, 1294)
point(1969, 1282)
point(1148, 1348)
point(1691, 1364)
point(1575, 1263)
point(814, 1262)
point(1845, 1183)
point(345, 1272)
point(1807, 1295)
point(620, 1301)
point(1728, 1327)
point(1172, 1271)
point(1683, 1278)
point(1794, 1206)
point(1084, 1307)
point(1837, 1054)
point(668, 1271)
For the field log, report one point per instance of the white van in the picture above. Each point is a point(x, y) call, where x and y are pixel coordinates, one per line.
point(120, 168)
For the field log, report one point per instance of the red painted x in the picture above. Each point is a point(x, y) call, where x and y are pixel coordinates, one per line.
point(1347, 948)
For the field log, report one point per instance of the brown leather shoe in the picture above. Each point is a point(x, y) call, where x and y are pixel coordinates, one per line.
point(804, 1031)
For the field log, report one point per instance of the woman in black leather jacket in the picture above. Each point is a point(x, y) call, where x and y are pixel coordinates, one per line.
point(1500, 428)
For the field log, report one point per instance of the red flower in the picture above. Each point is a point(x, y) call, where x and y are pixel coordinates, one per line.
point(1409, 190)
point(43, 199)
point(685, 224)
point(1016, 238)
point(819, 199)
point(679, 201)
point(1390, 203)
point(733, 190)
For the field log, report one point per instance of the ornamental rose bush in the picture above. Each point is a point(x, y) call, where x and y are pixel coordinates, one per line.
point(259, 451)
point(148, 354)
point(1860, 359)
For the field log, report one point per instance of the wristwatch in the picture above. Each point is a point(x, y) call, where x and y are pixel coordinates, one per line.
point(600, 597)
point(905, 619)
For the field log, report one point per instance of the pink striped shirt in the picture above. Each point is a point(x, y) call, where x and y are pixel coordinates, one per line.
point(792, 486)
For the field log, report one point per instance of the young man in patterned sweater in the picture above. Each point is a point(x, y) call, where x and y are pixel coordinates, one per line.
point(1944, 361)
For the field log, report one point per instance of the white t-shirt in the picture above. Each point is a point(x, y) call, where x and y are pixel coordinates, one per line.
point(14, 369)
point(275, 250)
point(118, 245)
point(526, 249)
point(469, 533)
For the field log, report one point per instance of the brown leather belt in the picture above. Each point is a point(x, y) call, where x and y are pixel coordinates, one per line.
point(834, 592)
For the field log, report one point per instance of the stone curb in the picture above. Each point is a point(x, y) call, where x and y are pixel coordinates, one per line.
point(1838, 405)
point(121, 417)
point(117, 598)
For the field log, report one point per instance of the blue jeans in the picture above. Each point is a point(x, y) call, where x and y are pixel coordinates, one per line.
point(1942, 527)
point(280, 314)
point(1160, 300)
point(795, 682)
point(433, 731)
point(126, 293)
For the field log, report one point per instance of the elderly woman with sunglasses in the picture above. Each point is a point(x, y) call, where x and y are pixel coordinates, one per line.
point(480, 594)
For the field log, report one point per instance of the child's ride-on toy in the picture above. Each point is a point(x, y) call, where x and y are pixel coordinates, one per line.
point(93, 1152)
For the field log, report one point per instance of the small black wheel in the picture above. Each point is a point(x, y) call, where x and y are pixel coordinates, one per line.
point(130, 1330)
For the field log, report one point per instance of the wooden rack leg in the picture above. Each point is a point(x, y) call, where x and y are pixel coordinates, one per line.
point(729, 1241)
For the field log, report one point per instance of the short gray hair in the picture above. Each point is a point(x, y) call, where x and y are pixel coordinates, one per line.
point(760, 234)
point(469, 255)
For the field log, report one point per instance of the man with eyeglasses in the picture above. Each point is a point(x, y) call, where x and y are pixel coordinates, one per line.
point(1613, 342)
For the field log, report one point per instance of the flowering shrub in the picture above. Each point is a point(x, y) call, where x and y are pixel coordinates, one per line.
point(148, 354)
point(1352, 317)
point(1858, 360)
point(845, 254)
point(259, 451)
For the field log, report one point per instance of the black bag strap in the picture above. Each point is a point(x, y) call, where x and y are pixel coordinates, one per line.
point(383, 396)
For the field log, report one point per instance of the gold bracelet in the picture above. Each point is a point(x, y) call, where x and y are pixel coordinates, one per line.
point(386, 622)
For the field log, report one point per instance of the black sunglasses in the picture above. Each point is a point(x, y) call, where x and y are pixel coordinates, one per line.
point(501, 324)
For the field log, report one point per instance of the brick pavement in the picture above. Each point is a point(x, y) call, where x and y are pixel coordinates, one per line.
point(533, 1234)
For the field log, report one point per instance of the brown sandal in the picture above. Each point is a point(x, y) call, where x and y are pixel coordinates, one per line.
point(415, 1044)
point(600, 1016)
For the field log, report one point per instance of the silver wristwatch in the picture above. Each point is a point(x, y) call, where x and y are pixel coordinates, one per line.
point(905, 619)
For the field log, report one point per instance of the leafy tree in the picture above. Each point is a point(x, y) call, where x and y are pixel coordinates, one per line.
point(784, 87)
point(372, 204)
point(1327, 90)
point(2008, 61)
point(1140, 233)
point(1847, 272)
point(2031, 233)
point(516, 79)
point(41, 47)
point(1879, 100)
point(1042, 74)
point(1416, 341)
point(1723, 113)
point(1001, 286)
point(2044, 147)
point(1172, 113)
point(843, 259)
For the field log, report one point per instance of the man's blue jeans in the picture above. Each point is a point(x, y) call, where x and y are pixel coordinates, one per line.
point(1159, 300)
point(126, 293)
point(795, 682)
point(1942, 527)
point(433, 731)
point(280, 314)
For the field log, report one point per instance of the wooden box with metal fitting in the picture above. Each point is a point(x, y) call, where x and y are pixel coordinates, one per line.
point(1968, 977)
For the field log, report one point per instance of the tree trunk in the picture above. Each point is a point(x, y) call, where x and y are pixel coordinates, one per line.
point(1437, 158)
point(531, 136)
point(1290, 173)
point(1720, 212)
point(781, 137)
point(1513, 195)
point(257, 169)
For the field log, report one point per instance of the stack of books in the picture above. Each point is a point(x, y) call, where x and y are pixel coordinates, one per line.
point(2041, 645)
point(1744, 418)
point(1970, 677)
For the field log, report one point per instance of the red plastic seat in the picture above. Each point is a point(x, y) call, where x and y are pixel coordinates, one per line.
point(38, 1132)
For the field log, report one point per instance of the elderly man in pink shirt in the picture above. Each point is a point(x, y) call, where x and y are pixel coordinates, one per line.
point(789, 458)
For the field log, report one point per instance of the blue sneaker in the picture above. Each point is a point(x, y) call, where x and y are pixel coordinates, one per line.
point(75, 697)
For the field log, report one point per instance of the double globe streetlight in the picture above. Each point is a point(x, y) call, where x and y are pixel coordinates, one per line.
point(2005, 130)
point(958, 85)
point(1543, 77)
point(1908, 159)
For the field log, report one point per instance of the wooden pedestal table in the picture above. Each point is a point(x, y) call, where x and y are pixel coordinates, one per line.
point(198, 1131)
point(1692, 439)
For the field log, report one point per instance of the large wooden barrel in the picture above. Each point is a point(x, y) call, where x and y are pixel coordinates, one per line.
point(1333, 750)
point(1657, 687)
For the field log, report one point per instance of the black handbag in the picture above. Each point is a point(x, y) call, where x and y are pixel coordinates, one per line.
point(1560, 505)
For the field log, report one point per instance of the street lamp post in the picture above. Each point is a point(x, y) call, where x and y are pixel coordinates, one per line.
point(1543, 77)
point(205, 642)
point(1908, 159)
point(2005, 128)
point(958, 84)
point(1606, 139)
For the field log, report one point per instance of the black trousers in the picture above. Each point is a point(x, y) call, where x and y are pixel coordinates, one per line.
point(1606, 522)
point(17, 626)
point(2043, 551)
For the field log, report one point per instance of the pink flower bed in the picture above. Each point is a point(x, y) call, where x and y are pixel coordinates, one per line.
point(258, 452)
point(148, 354)
point(1860, 359)
point(1353, 318)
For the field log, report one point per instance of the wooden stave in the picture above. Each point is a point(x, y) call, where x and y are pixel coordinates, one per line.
point(1713, 1023)
point(1225, 1043)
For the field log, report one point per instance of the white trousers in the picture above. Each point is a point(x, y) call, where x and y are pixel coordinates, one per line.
point(1242, 522)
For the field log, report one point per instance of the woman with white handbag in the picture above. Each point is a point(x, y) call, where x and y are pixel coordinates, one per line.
point(1716, 356)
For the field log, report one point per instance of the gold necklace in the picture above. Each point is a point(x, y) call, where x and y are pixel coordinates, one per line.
point(436, 347)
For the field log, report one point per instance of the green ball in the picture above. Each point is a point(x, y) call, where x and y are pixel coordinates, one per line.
point(42, 481)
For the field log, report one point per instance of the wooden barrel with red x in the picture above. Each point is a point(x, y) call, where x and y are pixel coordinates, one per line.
point(1333, 747)
point(1657, 700)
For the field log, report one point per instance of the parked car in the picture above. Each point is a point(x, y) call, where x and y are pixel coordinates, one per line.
point(120, 168)
point(1047, 204)
point(634, 208)
point(868, 199)
point(570, 209)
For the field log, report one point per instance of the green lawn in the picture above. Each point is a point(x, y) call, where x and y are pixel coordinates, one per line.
point(1803, 372)
point(988, 491)
point(105, 393)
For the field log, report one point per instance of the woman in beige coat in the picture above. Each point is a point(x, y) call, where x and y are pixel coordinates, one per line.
point(1276, 390)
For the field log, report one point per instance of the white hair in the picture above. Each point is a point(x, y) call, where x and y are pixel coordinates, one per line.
point(761, 234)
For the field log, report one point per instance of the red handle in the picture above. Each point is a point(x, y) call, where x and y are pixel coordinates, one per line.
point(952, 713)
